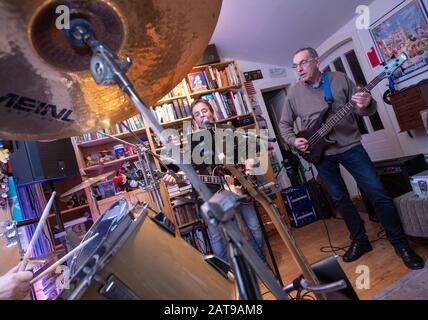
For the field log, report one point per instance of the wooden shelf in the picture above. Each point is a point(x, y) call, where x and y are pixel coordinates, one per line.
point(181, 194)
point(70, 210)
point(182, 226)
point(169, 100)
point(218, 64)
point(233, 118)
point(75, 208)
point(99, 167)
point(201, 93)
point(104, 140)
point(250, 126)
point(175, 122)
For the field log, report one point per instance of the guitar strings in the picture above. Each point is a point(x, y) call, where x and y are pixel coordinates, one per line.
point(326, 128)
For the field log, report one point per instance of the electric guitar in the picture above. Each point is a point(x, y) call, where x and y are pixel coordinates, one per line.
point(226, 182)
point(317, 135)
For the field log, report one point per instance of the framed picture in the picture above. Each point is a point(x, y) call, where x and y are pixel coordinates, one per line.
point(403, 29)
point(197, 81)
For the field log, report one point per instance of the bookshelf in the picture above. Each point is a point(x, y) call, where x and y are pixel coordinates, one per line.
point(221, 84)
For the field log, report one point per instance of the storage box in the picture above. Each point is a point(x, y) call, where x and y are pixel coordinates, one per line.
point(299, 206)
point(419, 183)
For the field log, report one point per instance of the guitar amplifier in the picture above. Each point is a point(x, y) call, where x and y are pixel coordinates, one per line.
point(395, 176)
point(299, 206)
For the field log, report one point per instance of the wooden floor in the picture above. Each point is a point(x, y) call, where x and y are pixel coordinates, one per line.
point(384, 265)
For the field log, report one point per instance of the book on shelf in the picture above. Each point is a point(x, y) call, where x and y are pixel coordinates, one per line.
point(134, 123)
point(178, 91)
point(174, 110)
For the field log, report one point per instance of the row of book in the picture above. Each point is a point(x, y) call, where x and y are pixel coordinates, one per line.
point(212, 78)
point(176, 190)
point(134, 123)
point(185, 213)
point(178, 91)
point(176, 109)
point(227, 104)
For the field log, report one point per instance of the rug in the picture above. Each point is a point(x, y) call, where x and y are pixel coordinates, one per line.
point(413, 286)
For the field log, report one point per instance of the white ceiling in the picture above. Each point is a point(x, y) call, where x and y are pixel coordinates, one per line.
point(270, 31)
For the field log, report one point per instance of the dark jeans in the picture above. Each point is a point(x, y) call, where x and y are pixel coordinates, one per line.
point(359, 165)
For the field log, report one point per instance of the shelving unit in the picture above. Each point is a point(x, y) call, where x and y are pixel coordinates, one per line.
point(225, 91)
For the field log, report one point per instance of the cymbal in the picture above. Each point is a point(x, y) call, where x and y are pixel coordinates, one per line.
point(87, 183)
point(46, 88)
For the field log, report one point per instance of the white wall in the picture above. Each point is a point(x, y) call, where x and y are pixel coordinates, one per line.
point(363, 42)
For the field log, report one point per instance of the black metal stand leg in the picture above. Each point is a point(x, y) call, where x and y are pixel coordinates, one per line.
point(58, 218)
point(245, 278)
point(269, 248)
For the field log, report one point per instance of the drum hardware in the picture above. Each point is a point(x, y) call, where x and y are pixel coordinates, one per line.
point(100, 259)
point(86, 184)
point(245, 262)
point(115, 289)
point(108, 70)
point(64, 258)
point(149, 184)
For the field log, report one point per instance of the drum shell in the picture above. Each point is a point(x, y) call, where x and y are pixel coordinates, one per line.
point(155, 265)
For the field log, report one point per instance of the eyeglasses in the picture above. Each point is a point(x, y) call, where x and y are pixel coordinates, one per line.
point(301, 63)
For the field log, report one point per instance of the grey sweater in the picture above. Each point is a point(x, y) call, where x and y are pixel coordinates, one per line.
point(307, 103)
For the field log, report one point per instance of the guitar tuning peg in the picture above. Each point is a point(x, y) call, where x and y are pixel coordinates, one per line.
point(10, 242)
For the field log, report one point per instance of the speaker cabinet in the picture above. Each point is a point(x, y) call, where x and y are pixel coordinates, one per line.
point(395, 176)
point(34, 161)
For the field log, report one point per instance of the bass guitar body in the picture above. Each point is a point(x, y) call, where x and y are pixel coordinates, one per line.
point(316, 149)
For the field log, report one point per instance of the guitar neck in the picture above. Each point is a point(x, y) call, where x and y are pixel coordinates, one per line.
point(345, 110)
point(213, 179)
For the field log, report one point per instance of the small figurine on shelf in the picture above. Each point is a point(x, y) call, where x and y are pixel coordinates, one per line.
point(106, 156)
point(127, 178)
point(120, 181)
point(91, 160)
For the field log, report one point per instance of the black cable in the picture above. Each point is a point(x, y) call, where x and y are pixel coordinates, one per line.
point(332, 249)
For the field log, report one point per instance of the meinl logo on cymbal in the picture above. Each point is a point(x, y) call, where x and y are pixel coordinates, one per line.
point(25, 104)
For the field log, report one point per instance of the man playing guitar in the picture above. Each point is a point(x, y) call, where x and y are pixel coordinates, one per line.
point(203, 116)
point(306, 100)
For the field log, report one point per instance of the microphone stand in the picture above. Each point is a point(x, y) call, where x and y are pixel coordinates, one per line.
point(107, 69)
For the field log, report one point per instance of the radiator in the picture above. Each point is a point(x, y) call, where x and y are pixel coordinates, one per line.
point(413, 212)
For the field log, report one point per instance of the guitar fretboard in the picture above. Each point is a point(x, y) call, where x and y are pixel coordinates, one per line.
point(342, 112)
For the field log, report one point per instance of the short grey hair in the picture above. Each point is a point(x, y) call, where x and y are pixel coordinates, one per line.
point(312, 52)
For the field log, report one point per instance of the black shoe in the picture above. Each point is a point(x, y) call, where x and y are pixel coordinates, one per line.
point(356, 250)
point(410, 258)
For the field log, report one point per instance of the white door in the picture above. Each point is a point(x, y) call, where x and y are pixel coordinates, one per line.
point(378, 135)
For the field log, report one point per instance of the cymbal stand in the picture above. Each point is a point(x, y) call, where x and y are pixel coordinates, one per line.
point(107, 69)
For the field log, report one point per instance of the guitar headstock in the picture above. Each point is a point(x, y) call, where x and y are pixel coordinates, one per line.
point(394, 64)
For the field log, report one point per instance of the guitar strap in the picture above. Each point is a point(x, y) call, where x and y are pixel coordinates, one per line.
point(328, 97)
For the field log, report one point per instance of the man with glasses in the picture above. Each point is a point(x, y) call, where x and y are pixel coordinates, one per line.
point(305, 100)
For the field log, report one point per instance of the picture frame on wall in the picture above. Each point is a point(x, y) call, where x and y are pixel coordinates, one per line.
point(403, 29)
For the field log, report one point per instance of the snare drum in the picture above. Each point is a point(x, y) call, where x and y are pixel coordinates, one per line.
point(134, 258)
